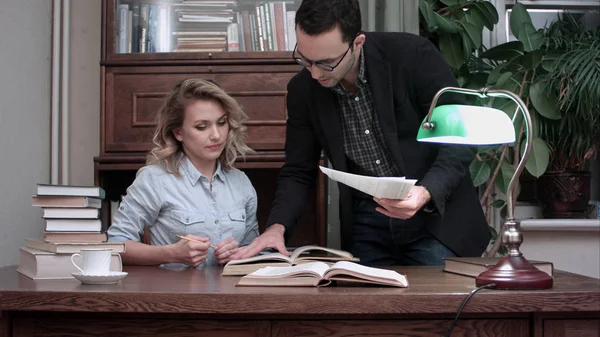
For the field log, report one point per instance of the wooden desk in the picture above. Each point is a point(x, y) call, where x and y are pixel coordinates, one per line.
point(158, 302)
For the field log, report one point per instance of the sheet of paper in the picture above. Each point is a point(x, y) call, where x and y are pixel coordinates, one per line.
point(380, 187)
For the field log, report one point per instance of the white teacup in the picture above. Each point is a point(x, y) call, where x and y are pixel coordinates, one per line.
point(94, 261)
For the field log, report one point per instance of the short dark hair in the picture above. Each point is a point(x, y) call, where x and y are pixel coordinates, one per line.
point(316, 17)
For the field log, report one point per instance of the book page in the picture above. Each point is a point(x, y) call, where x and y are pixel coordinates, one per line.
point(380, 187)
point(314, 268)
point(264, 258)
point(308, 252)
point(371, 273)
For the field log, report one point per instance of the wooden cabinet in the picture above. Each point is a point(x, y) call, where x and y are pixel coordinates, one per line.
point(135, 83)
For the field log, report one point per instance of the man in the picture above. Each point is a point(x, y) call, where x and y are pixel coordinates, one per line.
point(361, 98)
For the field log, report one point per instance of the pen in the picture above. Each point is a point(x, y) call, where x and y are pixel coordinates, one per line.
point(183, 237)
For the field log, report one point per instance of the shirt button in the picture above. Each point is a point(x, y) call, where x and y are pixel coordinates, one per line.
point(216, 222)
point(367, 132)
point(378, 162)
point(356, 99)
point(121, 208)
point(364, 81)
point(214, 195)
point(187, 220)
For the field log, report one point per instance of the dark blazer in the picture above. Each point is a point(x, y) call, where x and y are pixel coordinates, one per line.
point(404, 72)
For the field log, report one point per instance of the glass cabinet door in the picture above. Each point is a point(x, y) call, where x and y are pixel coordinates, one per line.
point(201, 26)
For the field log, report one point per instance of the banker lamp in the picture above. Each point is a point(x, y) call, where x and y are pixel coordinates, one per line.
point(476, 125)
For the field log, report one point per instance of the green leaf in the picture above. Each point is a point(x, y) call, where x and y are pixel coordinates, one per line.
point(451, 2)
point(531, 38)
point(504, 176)
point(519, 17)
point(428, 14)
point(532, 60)
point(488, 11)
point(549, 58)
point(467, 46)
point(474, 16)
point(445, 25)
point(480, 172)
point(539, 157)
point(503, 79)
point(473, 32)
point(498, 203)
point(451, 48)
point(505, 51)
point(545, 103)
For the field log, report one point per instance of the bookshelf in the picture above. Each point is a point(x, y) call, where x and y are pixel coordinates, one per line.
point(133, 84)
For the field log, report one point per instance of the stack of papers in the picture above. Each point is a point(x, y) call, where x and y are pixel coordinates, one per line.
point(379, 187)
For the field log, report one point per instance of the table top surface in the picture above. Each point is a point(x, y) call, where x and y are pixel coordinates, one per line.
point(154, 289)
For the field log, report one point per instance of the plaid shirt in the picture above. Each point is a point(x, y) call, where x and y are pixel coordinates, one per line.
point(363, 139)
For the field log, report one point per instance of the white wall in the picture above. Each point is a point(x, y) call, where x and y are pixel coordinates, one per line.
point(25, 56)
point(25, 101)
point(84, 142)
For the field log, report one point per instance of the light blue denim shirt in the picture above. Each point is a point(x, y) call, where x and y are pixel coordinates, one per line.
point(169, 205)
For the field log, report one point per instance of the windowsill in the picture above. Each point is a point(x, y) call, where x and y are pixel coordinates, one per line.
point(560, 225)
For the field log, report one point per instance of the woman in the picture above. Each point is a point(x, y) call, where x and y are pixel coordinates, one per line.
point(189, 186)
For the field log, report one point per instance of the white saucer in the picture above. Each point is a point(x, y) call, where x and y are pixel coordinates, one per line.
point(110, 278)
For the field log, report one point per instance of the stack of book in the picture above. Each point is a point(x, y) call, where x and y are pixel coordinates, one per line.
point(72, 223)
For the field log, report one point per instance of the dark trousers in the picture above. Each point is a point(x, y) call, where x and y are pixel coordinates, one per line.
point(379, 240)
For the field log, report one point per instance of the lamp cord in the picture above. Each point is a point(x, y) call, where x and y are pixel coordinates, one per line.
point(464, 303)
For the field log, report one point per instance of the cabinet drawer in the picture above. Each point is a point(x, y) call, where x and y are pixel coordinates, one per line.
point(124, 327)
point(134, 95)
point(421, 328)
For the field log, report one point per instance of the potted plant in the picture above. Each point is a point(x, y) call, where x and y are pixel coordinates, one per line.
point(519, 66)
point(575, 76)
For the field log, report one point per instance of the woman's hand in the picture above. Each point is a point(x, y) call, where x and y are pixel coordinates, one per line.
point(192, 253)
point(225, 249)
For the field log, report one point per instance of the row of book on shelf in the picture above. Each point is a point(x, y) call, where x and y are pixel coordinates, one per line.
point(72, 222)
point(204, 26)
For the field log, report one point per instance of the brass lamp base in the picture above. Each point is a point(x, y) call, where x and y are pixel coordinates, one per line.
point(515, 273)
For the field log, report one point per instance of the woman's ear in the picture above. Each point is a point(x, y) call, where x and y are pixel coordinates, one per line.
point(177, 134)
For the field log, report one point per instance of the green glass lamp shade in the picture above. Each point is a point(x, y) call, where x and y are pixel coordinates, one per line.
point(470, 125)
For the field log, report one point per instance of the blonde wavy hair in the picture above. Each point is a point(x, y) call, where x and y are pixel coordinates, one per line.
point(168, 151)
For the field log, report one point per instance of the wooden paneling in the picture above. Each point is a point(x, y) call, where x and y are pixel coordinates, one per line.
point(420, 328)
point(109, 327)
point(134, 97)
point(571, 327)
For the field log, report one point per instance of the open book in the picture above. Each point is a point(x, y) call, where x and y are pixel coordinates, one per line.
point(320, 274)
point(379, 187)
point(300, 255)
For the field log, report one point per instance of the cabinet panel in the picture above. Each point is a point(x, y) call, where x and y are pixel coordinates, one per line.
point(571, 327)
point(421, 328)
point(52, 327)
point(133, 98)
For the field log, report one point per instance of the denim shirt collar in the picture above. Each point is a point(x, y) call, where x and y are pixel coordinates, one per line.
point(188, 169)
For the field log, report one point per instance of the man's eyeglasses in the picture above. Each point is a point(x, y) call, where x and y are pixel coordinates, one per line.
point(323, 66)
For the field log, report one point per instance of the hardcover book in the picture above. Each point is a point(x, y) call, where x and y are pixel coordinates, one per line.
point(73, 247)
point(65, 201)
point(314, 274)
point(75, 237)
point(300, 255)
point(37, 264)
point(71, 190)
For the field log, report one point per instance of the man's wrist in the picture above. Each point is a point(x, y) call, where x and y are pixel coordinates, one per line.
point(429, 205)
point(279, 228)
